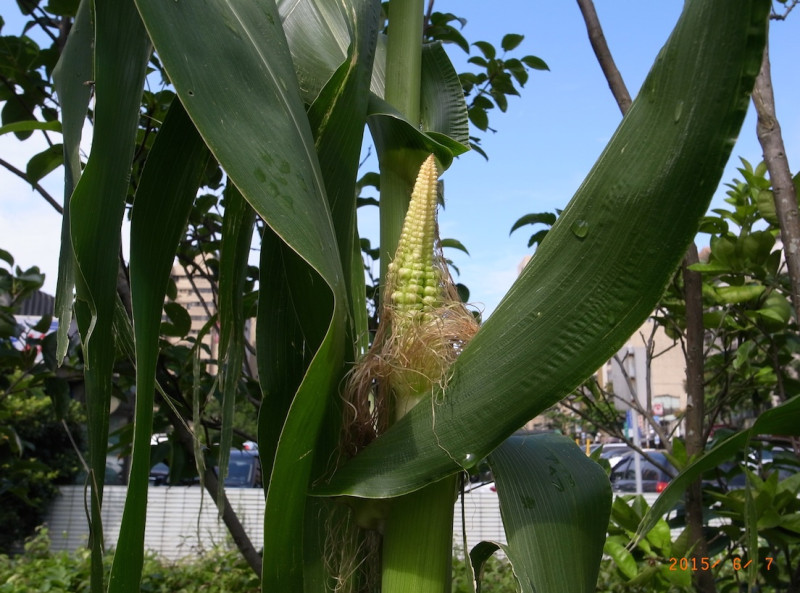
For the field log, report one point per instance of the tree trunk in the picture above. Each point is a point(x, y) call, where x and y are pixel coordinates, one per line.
point(211, 483)
point(769, 135)
point(695, 411)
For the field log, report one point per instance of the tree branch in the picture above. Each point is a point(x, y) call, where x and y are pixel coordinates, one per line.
point(695, 412)
point(771, 139)
point(604, 58)
point(21, 174)
point(211, 483)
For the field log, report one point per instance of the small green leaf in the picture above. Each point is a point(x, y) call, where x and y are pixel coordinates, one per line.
point(479, 118)
point(766, 206)
point(478, 61)
point(547, 218)
point(62, 7)
point(487, 49)
point(43, 325)
point(738, 294)
point(7, 257)
point(44, 163)
point(511, 41)
point(518, 71)
point(537, 238)
point(455, 244)
point(535, 63)
point(463, 292)
point(30, 125)
point(622, 558)
point(180, 322)
point(450, 35)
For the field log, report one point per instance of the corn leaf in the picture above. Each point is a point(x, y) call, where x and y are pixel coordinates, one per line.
point(336, 118)
point(596, 276)
point(247, 105)
point(237, 234)
point(555, 503)
point(121, 50)
point(163, 200)
point(73, 70)
point(327, 24)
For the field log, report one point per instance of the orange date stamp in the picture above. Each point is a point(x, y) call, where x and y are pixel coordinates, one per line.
point(703, 563)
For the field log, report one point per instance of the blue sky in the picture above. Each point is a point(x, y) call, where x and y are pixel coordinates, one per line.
point(543, 147)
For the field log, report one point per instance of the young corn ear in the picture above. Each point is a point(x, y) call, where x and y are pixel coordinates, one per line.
point(423, 325)
point(414, 282)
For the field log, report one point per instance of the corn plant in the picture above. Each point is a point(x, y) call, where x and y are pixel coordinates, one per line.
point(279, 94)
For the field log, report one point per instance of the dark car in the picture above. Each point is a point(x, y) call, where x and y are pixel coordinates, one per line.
point(655, 476)
point(244, 471)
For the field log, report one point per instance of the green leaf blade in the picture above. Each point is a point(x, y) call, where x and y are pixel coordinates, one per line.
point(596, 276)
point(555, 503)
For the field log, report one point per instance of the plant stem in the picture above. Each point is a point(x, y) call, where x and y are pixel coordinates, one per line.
point(419, 529)
point(403, 79)
point(418, 540)
point(404, 57)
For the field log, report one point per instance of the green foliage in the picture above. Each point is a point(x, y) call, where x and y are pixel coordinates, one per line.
point(285, 117)
point(647, 566)
point(496, 76)
point(220, 569)
point(750, 327)
point(40, 569)
point(756, 489)
point(759, 503)
point(497, 576)
point(36, 453)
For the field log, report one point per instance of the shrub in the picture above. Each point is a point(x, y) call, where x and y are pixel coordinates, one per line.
point(40, 569)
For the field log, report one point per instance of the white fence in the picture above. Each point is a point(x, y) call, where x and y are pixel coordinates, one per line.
point(182, 520)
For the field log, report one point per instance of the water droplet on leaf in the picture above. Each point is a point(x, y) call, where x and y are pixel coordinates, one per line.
point(580, 228)
point(678, 111)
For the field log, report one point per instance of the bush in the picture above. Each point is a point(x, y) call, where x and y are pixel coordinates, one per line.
point(39, 569)
point(497, 576)
point(30, 476)
point(35, 451)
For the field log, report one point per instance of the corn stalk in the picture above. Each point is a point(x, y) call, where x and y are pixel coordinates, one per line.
point(280, 99)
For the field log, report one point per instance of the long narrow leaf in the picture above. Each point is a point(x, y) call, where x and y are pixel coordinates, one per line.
point(328, 26)
point(337, 119)
point(237, 234)
point(121, 50)
point(555, 503)
point(163, 200)
point(73, 70)
point(264, 142)
point(602, 267)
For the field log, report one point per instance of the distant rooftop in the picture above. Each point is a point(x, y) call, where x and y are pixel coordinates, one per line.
point(38, 304)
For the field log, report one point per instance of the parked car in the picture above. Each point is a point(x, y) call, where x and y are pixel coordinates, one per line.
point(159, 474)
point(614, 452)
point(244, 471)
point(655, 476)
